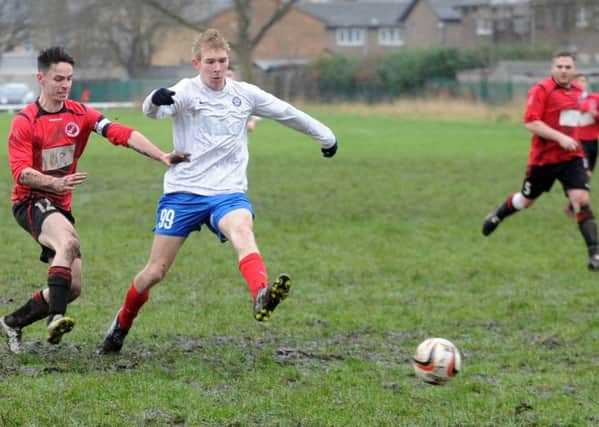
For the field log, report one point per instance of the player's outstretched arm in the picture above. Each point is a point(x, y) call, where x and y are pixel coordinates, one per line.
point(141, 144)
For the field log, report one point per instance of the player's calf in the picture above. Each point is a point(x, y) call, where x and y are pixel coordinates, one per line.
point(513, 204)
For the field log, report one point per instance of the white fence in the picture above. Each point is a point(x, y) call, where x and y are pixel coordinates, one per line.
point(11, 108)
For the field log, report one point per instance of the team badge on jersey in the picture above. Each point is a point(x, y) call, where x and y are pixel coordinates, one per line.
point(236, 101)
point(72, 129)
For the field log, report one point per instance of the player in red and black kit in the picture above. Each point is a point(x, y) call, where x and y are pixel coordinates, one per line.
point(46, 140)
point(588, 129)
point(589, 123)
point(553, 115)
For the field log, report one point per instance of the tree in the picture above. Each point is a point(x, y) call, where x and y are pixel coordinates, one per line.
point(247, 39)
point(101, 34)
point(14, 21)
point(129, 32)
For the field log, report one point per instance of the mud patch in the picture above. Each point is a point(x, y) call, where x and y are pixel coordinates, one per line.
point(296, 355)
point(523, 413)
point(158, 417)
point(550, 342)
point(228, 354)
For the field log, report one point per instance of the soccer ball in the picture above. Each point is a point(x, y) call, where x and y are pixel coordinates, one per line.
point(437, 360)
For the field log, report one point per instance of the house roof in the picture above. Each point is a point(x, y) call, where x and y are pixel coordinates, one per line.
point(466, 3)
point(445, 10)
point(351, 14)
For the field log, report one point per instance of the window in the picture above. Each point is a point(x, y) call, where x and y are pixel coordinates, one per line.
point(351, 36)
point(440, 32)
point(582, 17)
point(521, 25)
point(540, 16)
point(559, 18)
point(484, 27)
point(391, 36)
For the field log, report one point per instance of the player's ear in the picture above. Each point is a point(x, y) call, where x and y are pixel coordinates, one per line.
point(196, 63)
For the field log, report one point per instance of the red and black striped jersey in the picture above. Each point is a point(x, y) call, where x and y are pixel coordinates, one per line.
point(52, 143)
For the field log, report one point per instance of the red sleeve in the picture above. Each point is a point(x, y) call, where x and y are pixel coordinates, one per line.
point(535, 106)
point(118, 134)
point(20, 146)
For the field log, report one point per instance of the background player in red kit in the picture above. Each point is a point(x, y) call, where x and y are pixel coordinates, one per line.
point(552, 115)
point(46, 140)
point(588, 129)
point(589, 124)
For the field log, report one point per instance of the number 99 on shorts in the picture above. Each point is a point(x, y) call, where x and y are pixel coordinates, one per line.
point(167, 216)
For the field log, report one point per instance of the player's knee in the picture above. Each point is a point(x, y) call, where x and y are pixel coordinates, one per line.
point(520, 201)
point(70, 247)
point(154, 274)
point(242, 232)
point(583, 201)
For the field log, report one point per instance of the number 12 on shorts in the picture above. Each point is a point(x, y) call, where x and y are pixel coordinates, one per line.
point(167, 217)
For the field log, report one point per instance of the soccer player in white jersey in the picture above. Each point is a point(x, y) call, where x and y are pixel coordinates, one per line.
point(210, 114)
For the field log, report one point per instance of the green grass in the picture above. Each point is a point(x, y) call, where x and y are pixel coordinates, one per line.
point(384, 246)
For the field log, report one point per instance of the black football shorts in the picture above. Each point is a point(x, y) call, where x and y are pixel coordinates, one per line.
point(571, 174)
point(31, 213)
point(590, 153)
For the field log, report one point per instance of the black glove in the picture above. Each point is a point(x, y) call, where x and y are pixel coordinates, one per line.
point(163, 96)
point(329, 152)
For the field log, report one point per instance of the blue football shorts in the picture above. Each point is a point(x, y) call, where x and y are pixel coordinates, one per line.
point(179, 214)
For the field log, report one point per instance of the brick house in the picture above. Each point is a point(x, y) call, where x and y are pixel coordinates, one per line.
point(298, 35)
point(572, 25)
point(465, 23)
point(360, 28)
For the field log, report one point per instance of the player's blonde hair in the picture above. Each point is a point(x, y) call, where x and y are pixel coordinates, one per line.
point(211, 39)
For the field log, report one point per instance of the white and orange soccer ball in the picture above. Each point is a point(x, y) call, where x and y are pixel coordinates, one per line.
point(437, 360)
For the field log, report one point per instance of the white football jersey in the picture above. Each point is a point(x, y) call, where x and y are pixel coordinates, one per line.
point(211, 125)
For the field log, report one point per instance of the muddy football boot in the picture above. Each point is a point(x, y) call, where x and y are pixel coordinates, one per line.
point(12, 335)
point(268, 298)
point(59, 325)
point(115, 337)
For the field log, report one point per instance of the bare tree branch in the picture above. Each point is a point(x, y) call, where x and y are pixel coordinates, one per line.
point(244, 45)
point(174, 16)
point(284, 6)
point(14, 23)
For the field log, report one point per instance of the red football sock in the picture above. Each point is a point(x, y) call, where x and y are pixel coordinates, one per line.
point(133, 303)
point(253, 271)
